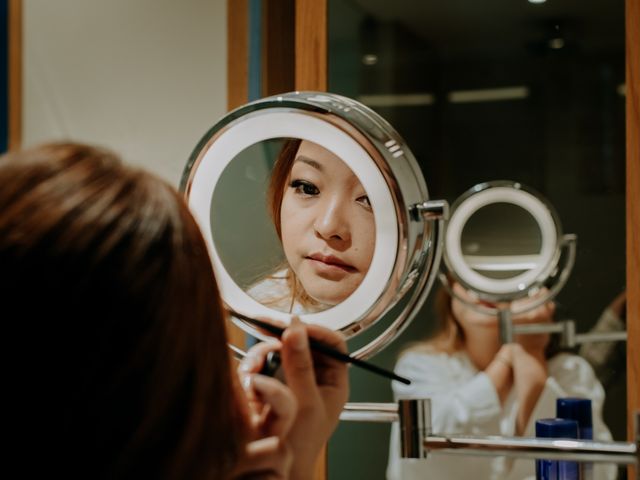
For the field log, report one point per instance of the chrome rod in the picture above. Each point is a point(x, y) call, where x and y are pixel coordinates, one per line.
point(239, 353)
point(566, 329)
point(415, 425)
point(552, 449)
point(601, 337)
point(534, 328)
point(431, 210)
point(370, 412)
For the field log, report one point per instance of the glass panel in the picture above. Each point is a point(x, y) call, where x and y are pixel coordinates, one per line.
point(501, 90)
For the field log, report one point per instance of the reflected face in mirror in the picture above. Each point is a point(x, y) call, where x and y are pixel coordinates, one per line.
point(326, 223)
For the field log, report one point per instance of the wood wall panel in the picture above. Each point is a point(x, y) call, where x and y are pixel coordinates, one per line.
point(632, 82)
point(15, 74)
point(237, 53)
point(311, 45)
point(237, 87)
point(278, 47)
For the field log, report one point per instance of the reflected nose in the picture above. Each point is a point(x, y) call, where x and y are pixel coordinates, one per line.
point(331, 220)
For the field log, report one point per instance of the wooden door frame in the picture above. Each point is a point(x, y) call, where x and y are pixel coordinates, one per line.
point(632, 82)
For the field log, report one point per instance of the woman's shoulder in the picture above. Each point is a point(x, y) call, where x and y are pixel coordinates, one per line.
point(571, 367)
point(269, 287)
point(568, 361)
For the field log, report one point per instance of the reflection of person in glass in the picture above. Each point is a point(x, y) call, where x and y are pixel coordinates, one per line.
point(323, 217)
point(479, 387)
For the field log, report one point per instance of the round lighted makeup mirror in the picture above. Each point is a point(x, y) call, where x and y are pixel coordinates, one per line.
point(504, 241)
point(313, 205)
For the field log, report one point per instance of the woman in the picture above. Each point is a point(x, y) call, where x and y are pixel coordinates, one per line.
point(118, 331)
point(324, 220)
point(479, 387)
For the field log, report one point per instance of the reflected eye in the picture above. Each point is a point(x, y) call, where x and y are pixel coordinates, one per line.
point(305, 188)
point(364, 201)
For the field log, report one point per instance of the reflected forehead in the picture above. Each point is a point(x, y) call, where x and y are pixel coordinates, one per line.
point(309, 161)
point(324, 161)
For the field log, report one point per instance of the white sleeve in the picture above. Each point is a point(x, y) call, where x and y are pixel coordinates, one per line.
point(456, 406)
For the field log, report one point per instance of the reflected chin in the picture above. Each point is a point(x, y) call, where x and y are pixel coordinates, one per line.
point(327, 292)
point(328, 299)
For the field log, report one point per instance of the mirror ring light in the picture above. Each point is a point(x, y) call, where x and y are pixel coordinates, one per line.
point(391, 177)
point(516, 194)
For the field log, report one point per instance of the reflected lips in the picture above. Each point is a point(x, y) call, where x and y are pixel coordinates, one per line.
point(330, 262)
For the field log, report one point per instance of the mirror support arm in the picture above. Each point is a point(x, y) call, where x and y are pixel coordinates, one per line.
point(430, 210)
point(415, 426)
point(417, 440)
point(566, 328)
point(625, 453)
point(506, 325)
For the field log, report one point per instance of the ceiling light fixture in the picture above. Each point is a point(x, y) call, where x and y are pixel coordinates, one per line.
point(556, 43)
point(370, 59)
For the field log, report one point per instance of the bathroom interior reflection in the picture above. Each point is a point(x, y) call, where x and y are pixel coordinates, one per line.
point(510, 90)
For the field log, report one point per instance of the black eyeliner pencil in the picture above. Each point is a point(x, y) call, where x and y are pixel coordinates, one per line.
point(326, 350)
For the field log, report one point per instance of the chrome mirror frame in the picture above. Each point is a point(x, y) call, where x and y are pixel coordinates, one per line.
point(553, 240)
point(558, 247)
point(419, 220)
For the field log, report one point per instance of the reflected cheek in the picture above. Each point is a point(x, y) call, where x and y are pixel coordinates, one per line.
point(293, 226)
point(364, 247)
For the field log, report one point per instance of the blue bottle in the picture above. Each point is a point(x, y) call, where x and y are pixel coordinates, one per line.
point(578, 409)
point(556, 469)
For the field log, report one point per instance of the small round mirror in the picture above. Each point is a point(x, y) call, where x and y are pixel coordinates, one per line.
point(313, 205)
point(504, 241)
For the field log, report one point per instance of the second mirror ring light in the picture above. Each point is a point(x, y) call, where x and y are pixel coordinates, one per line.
point(504, 242)
point(408, 225)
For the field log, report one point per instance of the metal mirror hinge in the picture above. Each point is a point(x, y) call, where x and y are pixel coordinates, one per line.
point(415, 426)
point(430, 210)
point(413, 416)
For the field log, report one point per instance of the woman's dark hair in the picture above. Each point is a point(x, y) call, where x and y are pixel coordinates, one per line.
point(278, 180)
point(275, 194)
point(115, 323)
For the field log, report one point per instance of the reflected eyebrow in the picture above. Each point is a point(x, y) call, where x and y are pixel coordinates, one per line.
point(309, 162)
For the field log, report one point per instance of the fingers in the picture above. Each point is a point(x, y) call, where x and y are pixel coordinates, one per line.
point(329, 371)
point(279, 405)
point(298, 363)
point(319, 382)
point(327, 337)
point(267, 458)
point(254, 359)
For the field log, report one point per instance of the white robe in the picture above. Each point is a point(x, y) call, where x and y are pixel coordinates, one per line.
point(274, 291)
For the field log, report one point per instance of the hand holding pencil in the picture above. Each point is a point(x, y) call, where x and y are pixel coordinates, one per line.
point(318, 382)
